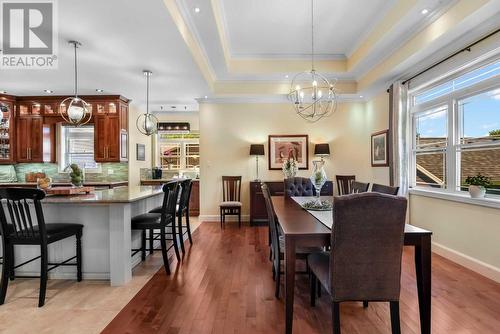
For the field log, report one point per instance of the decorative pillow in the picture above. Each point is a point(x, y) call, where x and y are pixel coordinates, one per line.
point(7, 174)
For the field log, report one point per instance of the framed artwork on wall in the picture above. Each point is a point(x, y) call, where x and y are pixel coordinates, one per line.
point(141, 152)
point(380, 149)
point(282, 147)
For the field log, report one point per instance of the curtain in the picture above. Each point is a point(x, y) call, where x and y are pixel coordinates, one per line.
point(399, 136)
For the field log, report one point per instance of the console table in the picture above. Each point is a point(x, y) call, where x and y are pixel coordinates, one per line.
point(258, 213)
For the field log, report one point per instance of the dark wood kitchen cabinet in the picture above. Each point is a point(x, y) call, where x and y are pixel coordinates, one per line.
point(29, 143)
point(258, 213)
point(107, 138)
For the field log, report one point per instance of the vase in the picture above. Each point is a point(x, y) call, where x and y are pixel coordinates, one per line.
point(289, 173)
point(477, 191)
point(318, 177)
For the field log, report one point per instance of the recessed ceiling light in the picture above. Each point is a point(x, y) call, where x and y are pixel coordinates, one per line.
point(197, 9)
point(424, 11)
point(173, 107)
point(361, 96)
point(3, 92)
point(99, 90)
point(48, 91)
point(206, 97)
point(286, 76)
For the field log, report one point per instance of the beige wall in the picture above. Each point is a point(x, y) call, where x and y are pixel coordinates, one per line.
point(135, 137)
point(227, 130)
point(465, 233)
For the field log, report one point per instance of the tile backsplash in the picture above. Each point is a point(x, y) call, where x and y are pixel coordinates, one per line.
point(111, 171)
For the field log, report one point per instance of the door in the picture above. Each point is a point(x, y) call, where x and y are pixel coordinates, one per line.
point(113, 139)
point(36, 139)
point(23, 132)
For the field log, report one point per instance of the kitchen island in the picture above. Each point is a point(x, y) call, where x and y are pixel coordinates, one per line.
point(107, 237)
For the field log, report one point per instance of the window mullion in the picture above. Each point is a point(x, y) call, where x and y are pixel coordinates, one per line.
point(451, 156)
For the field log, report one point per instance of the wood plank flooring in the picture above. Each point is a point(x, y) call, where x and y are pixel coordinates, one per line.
point(224, 285)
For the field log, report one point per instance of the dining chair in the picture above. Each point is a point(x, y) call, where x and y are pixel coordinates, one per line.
point(159, 221)
point(20, 227)
point(231, 204)
point(366, 249)
point(278, 242)
point(298, 186)
point(359, 187)
point(382, 189)
point(344, 183)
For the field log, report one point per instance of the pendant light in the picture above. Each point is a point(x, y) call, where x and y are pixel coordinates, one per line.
point(313, 96)
point(75, 110)
point(147, 124)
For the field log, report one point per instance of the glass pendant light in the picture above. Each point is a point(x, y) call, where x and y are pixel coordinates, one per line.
point(147, 124)
point(75, 110)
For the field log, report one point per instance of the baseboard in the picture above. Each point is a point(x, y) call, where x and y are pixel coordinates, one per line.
point(216, 218)
point(471, 263)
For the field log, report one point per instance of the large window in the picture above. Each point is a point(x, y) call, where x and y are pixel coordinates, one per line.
point(179, 151)
point(456, 130)
point(77, 147)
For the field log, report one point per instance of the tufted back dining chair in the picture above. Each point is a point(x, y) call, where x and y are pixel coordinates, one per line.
point(298, 186)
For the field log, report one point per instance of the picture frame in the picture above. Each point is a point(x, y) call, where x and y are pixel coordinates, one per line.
point(123, 146)
point(281, 147)
point(141, 152)
point(380, 149)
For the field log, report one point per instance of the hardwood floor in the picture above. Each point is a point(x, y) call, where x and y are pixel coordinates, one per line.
point(224, 285)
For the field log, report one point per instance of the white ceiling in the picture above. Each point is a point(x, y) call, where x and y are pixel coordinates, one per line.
point(283, 27)
point(120, 39)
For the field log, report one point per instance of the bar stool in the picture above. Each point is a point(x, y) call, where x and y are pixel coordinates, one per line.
point(159, 221)
point(183, 210)
point(20, 230)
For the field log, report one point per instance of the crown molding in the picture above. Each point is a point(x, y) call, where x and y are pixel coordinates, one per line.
point(268, 99)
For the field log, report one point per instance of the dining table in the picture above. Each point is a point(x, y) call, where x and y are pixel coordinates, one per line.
point(305, 228)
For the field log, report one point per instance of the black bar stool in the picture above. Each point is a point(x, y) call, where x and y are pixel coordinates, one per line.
point(20, 229)
point(159, 221)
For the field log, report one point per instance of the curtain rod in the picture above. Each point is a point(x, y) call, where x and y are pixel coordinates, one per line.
point(467, 48)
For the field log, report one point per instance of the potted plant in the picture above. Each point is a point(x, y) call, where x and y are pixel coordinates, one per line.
point(477, 185)
point(290, 168)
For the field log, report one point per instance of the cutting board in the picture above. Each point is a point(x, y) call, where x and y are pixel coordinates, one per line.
point(69, 190)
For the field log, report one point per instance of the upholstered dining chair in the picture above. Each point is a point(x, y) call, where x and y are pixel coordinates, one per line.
point(278, 242)
point(366, 249)
point(344, 183)
point(359, 187)
point(380, 188)
point(23, 223)
point(231, 204)
point(298, 186)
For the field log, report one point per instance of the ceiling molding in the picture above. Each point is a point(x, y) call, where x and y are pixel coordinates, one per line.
point(279, 99)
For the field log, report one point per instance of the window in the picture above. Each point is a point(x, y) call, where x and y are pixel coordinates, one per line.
point(456, 130)
point(179, 151)
point(77, 147)
point(170, 155)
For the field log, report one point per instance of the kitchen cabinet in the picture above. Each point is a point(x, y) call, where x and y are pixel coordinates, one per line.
point(107, 139)
point(29, 143)
point(6, 129)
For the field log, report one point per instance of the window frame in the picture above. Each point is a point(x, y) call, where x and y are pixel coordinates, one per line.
point(62, 163)
point(454, 146)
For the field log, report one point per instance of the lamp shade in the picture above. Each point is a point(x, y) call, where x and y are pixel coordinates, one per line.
point(256, 149)
point(322, 149)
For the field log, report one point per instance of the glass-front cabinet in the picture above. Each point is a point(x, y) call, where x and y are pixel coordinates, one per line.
point(179, 151)
point(6, 114)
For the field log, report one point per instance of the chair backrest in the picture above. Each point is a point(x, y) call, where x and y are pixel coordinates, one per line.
point(298, 186)
point(171, 194)
point(273, 225)
point(344, 183)
point(19, 221)
point(366, 247)
point(359, 187)
point(380, 188)
point(186, 186)
point(231, 188)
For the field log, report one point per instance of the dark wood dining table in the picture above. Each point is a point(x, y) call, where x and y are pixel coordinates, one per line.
point(302, 229)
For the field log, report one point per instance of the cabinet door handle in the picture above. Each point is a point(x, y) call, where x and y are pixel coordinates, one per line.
point(27, 153)
point(29, 150)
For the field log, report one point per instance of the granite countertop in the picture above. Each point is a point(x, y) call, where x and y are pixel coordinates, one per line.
point(107, 196)
point(62, 183)
point(165, 180)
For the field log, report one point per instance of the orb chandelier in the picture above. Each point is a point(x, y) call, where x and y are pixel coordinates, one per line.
point(74, 110)
point(312, 94)
point(147, 124)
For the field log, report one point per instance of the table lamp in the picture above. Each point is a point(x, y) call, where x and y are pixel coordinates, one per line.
point(322, 150)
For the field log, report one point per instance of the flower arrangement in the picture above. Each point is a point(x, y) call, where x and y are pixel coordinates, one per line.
point(290, 168)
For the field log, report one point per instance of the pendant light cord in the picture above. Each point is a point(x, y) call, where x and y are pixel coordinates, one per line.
point(76, 69)
point(312, 34)
point(147, 93)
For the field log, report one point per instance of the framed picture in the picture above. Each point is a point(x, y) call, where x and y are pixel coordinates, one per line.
point(380, 149)
point(283, 147)
point(141, 152)
point(123, 146)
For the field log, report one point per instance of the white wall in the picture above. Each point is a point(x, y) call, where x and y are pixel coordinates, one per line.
point(135, 137)
point(227, 130)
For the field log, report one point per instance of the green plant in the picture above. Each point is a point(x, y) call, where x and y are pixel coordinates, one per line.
point(76, 175)
point(478, 180)
point(495, 133)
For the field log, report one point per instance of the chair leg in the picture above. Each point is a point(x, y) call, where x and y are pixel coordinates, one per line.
point(151, 241)
point(6, 270)
point(79, 256)
point(220, 218)
point(365, 303)
point(318, 287)
point(274, 273)
point(188, 228)
point(12, 273)
point(395, 323)
point(164, 253)
point(277, 283)
point(312, 284)
point(336, 317)
point(174, 241)
point(143, 245)
point(239, 218)
point(43, 274)
point(181, 236)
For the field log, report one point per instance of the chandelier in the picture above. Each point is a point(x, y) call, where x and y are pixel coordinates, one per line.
point(147, 124)
point(312, 94)
point(75, 110)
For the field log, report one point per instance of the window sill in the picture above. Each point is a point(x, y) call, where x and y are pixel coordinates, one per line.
point(491, 202)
